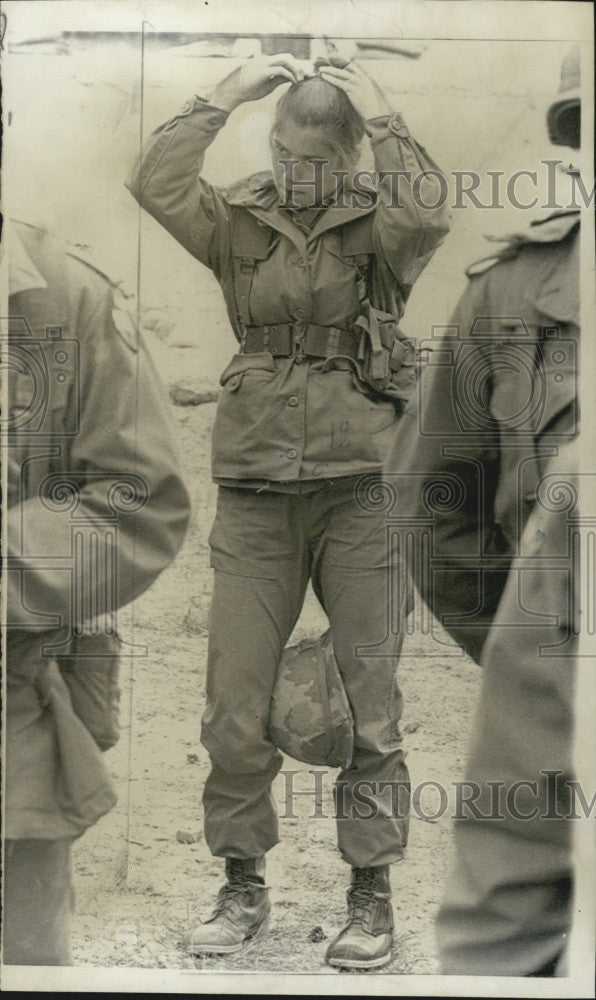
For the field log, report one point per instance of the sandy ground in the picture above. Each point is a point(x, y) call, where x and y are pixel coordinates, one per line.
point(476, 106)
point(140, 888)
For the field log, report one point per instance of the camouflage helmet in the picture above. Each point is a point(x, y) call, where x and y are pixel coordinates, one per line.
point(310, 718)
point(563, 116)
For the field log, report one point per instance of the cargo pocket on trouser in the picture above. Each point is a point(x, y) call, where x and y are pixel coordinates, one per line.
point(250, 614)
point(246, 537)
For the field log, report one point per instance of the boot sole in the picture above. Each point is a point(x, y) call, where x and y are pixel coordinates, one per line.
point(354, 963)
point(229, 949)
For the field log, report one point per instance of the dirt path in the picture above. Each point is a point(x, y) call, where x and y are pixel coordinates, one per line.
point(139, 887)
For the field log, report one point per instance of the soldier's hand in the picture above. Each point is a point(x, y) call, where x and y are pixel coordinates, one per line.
point(255, 79)
point(359, 87)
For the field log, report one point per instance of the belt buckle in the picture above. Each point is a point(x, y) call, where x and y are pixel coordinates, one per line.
point(299, 354)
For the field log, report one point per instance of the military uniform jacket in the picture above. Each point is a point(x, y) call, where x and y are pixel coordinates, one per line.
point(96, 508)
point(279, 421)
point(497, 399)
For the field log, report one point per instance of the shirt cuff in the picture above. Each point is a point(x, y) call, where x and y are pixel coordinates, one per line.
point(382, 125)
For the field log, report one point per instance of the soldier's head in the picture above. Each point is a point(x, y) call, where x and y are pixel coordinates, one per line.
point(563, 118)
point(315, 136)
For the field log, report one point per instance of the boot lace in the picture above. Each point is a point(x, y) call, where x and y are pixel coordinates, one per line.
point(230, 897)
point(362, 899)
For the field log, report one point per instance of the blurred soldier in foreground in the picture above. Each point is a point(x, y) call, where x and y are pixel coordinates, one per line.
point(96, 510)
point(498, 407)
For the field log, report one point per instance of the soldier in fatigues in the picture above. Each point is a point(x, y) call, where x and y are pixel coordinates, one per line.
point(314, 280)
point(96, 508)
point(490, 438)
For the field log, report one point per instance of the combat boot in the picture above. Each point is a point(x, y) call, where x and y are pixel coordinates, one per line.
point(367, 939)
point(241, 911)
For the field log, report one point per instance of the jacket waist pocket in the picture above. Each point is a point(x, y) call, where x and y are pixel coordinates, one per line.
point(91, 672)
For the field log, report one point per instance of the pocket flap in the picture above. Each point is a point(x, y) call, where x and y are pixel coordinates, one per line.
point(244, 362)
point(528, 401)
point(251, 238)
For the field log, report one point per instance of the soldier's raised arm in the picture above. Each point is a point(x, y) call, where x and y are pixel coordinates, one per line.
point(412, 215)
point(166, 177)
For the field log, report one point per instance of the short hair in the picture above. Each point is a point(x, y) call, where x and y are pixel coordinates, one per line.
point(317, 103)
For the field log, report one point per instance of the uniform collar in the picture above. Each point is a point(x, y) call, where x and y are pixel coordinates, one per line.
point(259, 192)
point(22, 272)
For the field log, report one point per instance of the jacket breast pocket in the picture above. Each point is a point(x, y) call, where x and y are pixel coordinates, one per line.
point(529, 392)
point(518, 392)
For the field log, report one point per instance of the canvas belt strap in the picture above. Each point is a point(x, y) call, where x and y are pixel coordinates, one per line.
point(284, 340)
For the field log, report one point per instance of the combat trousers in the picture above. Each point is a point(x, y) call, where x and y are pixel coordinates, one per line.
point(38, 902)
point(507, 905)
point(264, 548)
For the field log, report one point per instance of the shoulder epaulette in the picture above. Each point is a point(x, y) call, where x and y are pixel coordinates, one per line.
point(485, 263)
point(87, 255)
point(258, 190)
point(81, 251)
point(553, 229)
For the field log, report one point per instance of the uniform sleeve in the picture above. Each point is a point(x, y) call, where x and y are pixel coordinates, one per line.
point(115, 511)
point(412, 217)
point(166, 181)
point(444, 464)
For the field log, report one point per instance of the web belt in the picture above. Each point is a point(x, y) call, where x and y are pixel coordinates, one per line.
point(285, 340)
